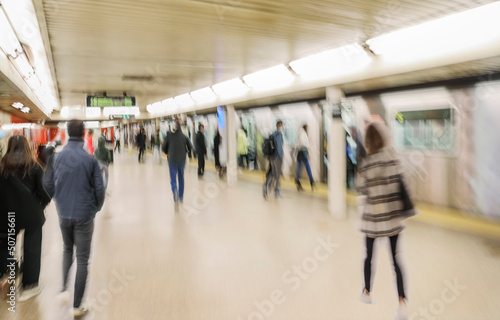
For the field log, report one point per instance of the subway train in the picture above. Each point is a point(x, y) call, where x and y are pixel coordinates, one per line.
point(447, 138)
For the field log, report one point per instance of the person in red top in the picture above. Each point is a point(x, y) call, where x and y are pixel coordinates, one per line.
point(89, 144)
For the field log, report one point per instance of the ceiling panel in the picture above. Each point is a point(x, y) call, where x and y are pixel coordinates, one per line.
point(186, 45)
point(10, 94)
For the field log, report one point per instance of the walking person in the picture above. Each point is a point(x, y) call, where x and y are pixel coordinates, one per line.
point(201, 150)
point(89, 142)
point(242, 148)
point(382, 185)
point(103, 157)
point(74, 179)
point(217, 142)
point(275, 162)
point(303, 158)
point(23, 194)
point(140, 141)
point(156, 143)
point(117, 140)
point(175, 146)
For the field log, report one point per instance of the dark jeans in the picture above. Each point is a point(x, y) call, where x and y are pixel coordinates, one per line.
point(117, 145)
point(201, 164)
point(177, 169)
point(141, 154)
point(368, 264)
point(76, 233)
point(303, 160)
point(274, 174)
point(32, 256)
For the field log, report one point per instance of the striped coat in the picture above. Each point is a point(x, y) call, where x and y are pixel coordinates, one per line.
point(379, 180)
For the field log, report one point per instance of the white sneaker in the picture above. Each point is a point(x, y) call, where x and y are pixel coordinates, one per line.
point(401, 313)
point(63, 297)
point(365, 298)
point(30, 293)
point(80, 311)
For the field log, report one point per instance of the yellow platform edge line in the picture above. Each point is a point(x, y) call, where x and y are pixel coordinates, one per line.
point(445, 217)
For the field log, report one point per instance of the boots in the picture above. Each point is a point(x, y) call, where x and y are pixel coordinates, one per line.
point(299, 186)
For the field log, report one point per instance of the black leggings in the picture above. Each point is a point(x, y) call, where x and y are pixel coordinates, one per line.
point(368, 264)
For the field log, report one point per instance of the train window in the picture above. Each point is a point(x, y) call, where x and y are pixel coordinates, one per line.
point(424, 129)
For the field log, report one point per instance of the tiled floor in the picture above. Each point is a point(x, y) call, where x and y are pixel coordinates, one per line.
point(229, 254)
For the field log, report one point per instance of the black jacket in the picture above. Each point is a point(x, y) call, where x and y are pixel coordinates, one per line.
point(175, 146)
point(74, 179)
point(201, 148)
point(140, 140)
point(26, 197)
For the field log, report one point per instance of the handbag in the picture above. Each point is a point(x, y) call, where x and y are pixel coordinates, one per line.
point(408, 209)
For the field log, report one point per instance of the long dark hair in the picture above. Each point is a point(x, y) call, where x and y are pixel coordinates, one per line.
point(19, 157)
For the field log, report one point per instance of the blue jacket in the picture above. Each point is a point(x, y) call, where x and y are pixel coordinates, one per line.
point(74, 180)
point(278, 144)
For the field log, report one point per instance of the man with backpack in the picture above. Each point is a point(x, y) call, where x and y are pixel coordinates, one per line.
point(273, 147)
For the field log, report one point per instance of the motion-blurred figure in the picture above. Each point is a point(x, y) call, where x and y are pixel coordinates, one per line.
point(201, 150)
point(156, 143)
point(381, 183)
point(303, 158)
point(175, 146)
point(74, 179)
point(217, 142)
point(275, 162)
point(101, 154)
point(23, 194)
point(89, 142)
point(140, 141)
point(117, 140)
point(242, 148)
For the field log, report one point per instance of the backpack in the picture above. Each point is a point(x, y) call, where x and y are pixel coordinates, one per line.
point(268, 146)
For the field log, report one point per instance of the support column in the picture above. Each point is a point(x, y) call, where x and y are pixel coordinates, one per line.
point(232, 168)
point(336, 156)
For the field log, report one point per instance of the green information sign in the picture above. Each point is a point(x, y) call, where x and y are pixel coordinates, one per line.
point(101, 102)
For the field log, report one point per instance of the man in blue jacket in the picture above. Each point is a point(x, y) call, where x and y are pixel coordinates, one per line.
point(275, 161)
point(74, 180)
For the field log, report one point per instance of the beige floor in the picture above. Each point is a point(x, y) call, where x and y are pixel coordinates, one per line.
point(229, 254)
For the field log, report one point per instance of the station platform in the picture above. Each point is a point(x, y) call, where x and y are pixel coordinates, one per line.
point(229, 254)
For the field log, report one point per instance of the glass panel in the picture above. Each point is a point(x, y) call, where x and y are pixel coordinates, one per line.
point(424, 129)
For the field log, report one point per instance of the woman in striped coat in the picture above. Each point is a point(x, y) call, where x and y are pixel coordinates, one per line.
point(379, 182)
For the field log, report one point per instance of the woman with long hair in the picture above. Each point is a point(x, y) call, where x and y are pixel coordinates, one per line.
point(23, 202)
point(381, 183)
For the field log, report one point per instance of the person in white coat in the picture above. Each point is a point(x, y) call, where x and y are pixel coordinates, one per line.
point(303, 158)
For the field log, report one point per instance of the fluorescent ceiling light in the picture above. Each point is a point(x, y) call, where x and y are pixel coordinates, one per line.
point(25, 109)
point(446, 35)
point(276, 76)
point(93, 112)
point(184, 100)
point(34, 82)
point(156, 107)
point(168, 105)
point(65, 112)
point(230, 88)
point(17, 105)
point(203, 95)
point(24, 66)
point(331, 62)
point(17, 126)
point(8, 40)
point(91, 124)
point(120, 111)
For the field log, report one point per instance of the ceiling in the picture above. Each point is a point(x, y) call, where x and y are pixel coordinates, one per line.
point(9, 94)
point(156, 49)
